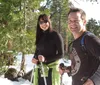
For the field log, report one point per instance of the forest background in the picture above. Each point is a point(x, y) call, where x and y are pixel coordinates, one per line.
point(18, 19)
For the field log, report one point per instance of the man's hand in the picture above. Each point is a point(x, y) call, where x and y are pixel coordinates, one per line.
point(89, 82)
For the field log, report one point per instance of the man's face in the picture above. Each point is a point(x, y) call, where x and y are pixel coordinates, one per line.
point(75, 23)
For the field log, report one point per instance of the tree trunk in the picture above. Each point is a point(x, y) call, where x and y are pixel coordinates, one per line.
point(22, 68)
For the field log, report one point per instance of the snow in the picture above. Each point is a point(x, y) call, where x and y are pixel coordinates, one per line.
point(29, 66)
point(66, 80)
point(5, 81)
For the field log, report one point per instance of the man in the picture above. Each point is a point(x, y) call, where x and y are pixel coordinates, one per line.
point(85, 69)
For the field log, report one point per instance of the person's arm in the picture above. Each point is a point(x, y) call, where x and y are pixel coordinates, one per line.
point(94, 48)
point(96, 77)
point(35, 58)
point(60, 48)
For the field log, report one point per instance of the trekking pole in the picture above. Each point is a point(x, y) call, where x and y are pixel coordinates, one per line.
point(61, 80)
point(32, 74)
point(43, 73)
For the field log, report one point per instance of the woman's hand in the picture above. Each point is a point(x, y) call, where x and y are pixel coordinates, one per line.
point(35, 61)
point(89, 82)
point(41, 58)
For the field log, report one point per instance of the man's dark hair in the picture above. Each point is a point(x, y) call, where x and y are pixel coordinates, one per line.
point(83, 14)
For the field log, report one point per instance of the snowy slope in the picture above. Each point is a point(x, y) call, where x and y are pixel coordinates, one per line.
point(29, 66)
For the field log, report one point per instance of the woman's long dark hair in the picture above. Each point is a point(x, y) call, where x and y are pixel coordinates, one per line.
point(39, 31)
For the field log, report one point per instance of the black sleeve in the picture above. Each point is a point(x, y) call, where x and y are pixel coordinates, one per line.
point(93, 45)
point(96, 77)
point(60, 48)
point(35, 54)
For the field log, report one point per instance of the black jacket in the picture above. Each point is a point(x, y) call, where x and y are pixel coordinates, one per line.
point(50, 46)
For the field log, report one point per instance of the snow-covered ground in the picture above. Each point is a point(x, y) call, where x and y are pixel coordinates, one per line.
point(29, 66)
point(5, 81)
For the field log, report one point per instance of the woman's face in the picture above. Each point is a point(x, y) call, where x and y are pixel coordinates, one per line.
point(44, 24)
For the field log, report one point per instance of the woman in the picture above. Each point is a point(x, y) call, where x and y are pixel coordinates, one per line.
point(49, 49)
